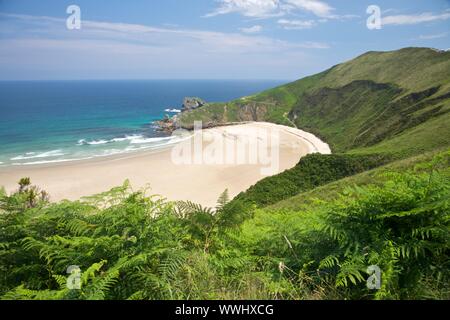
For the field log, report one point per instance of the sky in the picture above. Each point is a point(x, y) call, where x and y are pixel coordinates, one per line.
point(207, 39)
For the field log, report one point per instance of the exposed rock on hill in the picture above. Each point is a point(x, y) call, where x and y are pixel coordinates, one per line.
point(192, 103)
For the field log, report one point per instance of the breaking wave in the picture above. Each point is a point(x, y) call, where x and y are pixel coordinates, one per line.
point(103, 148)
point(34, 155)
point(133, 139)
point(173, 110)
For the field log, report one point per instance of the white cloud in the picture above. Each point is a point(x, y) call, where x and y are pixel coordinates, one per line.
point(297, 24)
point(272, 8)
point(314, 45)
point(318, 8)
point(261, 9)
point(433, 36)
point(414, 19)
point(248, 8)
point(157, 36)
point(120, 50)
point(254, 29)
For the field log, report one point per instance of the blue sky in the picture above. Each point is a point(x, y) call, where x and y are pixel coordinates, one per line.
point(206, 39)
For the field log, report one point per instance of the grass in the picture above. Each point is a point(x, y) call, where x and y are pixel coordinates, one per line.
point(414, 69)
point(432, 135)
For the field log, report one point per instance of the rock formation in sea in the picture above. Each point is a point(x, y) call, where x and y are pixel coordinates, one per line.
point(168, 124)
point(192, 103)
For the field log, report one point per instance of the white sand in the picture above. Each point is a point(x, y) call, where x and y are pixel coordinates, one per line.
point(201, 183)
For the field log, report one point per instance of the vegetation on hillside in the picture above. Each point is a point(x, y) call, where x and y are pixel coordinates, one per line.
point(361, 104)
point(127, 245)
point(311, 172)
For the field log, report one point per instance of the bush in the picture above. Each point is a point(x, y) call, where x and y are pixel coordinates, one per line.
point(312, 171)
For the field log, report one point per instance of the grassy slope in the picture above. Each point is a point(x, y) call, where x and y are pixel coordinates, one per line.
point(414, 69)
point(363, 103)
point(423, 138)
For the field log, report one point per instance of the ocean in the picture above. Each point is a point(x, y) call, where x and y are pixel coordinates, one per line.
point(58, 121)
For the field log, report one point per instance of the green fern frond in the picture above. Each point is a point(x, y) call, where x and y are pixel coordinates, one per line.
point(329, 262)
point(223, 200)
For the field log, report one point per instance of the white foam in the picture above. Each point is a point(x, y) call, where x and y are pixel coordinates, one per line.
point(111, 152)
point(149, 140)
point(173, 110)
point(84, 142)
point(131, 137)
point(48, 161)
point(136, 142)
point(33, 155)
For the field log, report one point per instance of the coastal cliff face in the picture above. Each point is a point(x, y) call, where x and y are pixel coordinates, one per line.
point(218, 114)
point(226, 113)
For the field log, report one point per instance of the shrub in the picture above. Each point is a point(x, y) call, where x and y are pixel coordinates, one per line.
point(312, 171)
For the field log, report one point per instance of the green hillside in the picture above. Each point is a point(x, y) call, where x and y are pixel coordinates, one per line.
point(359, 104)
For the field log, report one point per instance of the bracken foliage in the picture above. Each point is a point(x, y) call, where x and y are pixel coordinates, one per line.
point(128, 245)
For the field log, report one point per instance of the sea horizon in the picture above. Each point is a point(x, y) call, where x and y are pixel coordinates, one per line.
point(281, 80)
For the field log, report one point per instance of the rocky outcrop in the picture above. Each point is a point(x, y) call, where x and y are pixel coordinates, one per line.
point(192, 103)
point(253, 111)
point(168, 124)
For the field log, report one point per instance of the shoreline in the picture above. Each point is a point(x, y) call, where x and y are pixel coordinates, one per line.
point(200, 183)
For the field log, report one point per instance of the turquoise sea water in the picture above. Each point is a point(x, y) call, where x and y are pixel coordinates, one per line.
point(55, 121)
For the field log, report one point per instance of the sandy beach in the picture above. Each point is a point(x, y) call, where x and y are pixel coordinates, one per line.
point(198, 181)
